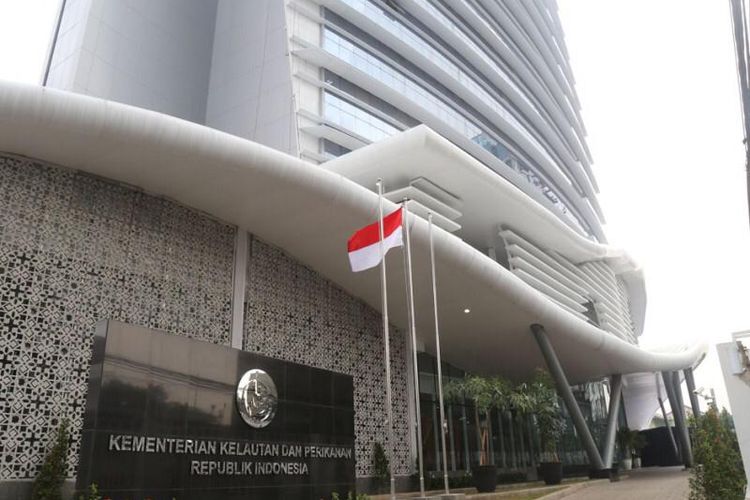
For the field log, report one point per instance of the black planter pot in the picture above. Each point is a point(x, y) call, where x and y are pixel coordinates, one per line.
point(485, 478)
point(551, 472)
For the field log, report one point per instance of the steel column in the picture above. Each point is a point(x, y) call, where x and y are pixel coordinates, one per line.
point(615, 395)
point(563, 389)
point(669, 430)
point(690, 381)
point(672, 385)
point(685, 429)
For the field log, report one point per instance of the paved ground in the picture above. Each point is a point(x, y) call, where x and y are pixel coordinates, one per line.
point(653, 483)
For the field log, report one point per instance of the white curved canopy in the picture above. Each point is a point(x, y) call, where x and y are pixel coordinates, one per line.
point(309, 212)
point(487, 201)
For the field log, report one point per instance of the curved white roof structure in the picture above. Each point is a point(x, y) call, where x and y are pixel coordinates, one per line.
point(310, 211)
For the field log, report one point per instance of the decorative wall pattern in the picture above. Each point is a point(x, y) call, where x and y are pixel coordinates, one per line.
point(75, 249)
point(293, 313)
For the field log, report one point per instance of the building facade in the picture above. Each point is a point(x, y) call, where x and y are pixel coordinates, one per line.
point(213, 205)
point(319, 78)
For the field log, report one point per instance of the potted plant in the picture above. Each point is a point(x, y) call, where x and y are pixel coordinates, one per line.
point(546, 408)
point(625, 439)
point(485, 393)
point(639, 442)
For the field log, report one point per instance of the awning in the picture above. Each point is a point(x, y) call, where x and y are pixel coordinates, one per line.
point(309, 212)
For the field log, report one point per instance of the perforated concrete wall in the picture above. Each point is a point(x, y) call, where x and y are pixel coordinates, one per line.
point(75, 249)
point(293, 313)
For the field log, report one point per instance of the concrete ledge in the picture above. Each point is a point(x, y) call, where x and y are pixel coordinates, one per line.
point(503, 492)
point(572, 489)
point(20, 489)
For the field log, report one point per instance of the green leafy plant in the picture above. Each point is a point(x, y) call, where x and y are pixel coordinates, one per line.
point(349, 496)
point(48, 484)
point(625, 440)
point(486, 393)
point(92, 493)
point(544, 404)
point(639, 442)
point(380, 462)
point(718, 474)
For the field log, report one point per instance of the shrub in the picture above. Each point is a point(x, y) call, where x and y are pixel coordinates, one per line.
point(545, 405)
point(92, 493)
point(380, 462)
point(718, 474)
point(626, 441)
point(350, 496)
point(48, 484)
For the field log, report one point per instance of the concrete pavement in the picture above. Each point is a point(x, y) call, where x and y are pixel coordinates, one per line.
point(653, 483)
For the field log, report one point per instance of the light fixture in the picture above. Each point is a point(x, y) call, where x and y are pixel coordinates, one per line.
point(467, 310)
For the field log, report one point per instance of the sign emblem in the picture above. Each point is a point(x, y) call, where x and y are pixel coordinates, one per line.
point(257, 398)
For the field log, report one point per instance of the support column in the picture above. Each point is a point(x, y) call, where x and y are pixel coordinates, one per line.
point(563, 389)
point(669, 430)
point(690, 381)
point(239, 281)
point(615, 395)
point(672, 384)
point(683, 416)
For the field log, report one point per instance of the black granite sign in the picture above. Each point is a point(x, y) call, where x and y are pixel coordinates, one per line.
point(163, 421)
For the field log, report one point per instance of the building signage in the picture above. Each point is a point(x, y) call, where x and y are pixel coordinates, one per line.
point(172, 417)
point(232, 457)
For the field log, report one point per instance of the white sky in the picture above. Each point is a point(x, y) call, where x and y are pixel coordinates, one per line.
point(658, 88)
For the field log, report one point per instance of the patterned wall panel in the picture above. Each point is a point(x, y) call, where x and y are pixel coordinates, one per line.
point(75, 249)
point(293, 313)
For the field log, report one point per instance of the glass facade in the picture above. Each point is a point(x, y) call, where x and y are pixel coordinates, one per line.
point(355, 55)
point(513, 438)
point(355, 119)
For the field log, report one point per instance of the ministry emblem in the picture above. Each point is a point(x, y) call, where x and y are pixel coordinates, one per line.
point(257, 398)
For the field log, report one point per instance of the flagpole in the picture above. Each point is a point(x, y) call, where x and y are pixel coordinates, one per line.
point(386, 342)
point(439, 360)
point(412, 327)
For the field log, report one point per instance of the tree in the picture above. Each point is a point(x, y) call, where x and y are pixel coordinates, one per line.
point(486, 393)
point(380, 462)
point(626, 439)
point(719, 474)
point(48, 484)
point(545, 404)
point(92, 493)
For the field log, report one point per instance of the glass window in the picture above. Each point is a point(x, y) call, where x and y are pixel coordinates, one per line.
point(368, 63)
point(356, 119)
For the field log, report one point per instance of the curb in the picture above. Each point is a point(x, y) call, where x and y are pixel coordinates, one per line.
point(573, 488)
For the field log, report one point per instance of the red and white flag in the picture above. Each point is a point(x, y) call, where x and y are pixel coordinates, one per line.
point(364, 245)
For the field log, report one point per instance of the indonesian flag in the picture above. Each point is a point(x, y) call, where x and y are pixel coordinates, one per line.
point(364, 245)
